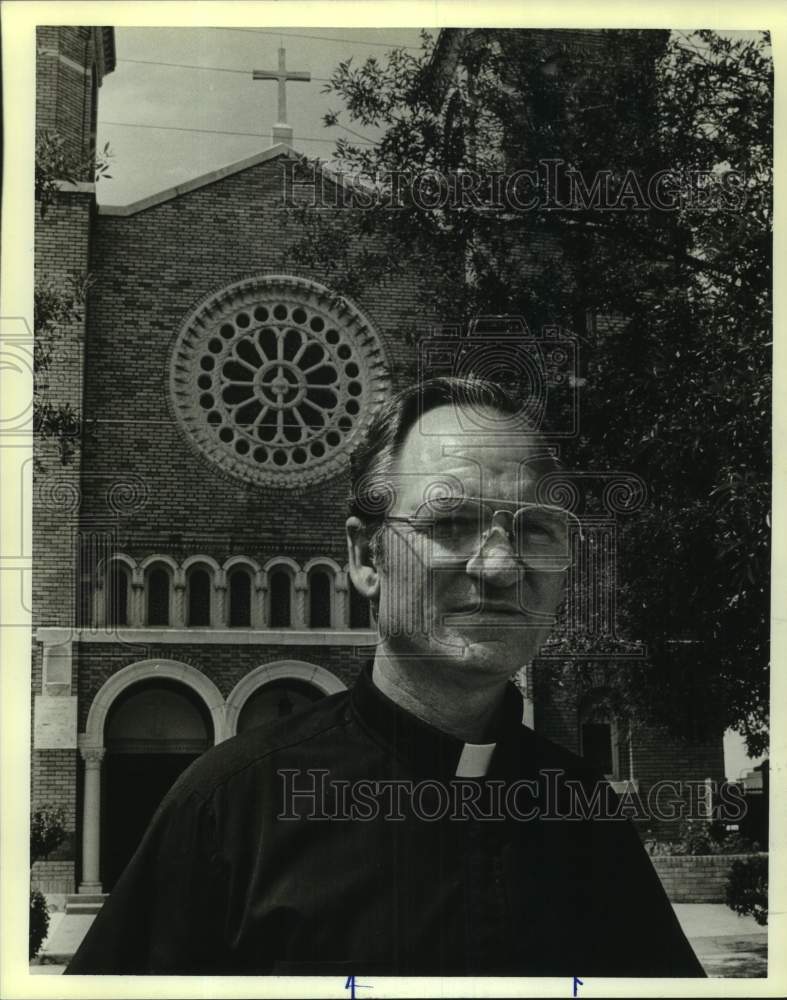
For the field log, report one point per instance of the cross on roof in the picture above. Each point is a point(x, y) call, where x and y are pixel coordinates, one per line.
point(282, 75)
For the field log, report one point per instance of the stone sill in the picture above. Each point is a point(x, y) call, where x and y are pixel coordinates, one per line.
point(627, 785)
point(55, 636)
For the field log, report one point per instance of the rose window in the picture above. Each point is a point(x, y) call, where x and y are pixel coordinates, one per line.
point(275, 380)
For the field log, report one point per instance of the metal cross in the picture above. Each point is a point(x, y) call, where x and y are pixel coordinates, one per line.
point(282, 75)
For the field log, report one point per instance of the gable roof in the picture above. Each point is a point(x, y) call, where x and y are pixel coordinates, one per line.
point(279, 149)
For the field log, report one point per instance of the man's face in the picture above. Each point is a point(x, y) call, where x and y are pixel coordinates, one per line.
point(480, 611)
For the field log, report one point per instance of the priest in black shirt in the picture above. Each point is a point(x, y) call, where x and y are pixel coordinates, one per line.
point(412, 825)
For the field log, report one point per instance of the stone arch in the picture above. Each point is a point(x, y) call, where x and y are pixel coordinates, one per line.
point(93, 737)
point(300, 670)
point(297, 588)
point(234, 561)
point(92, 744)
point(326, 561)
point(277, 561)
point(99, 596)
point(203, 561)
point(177, 585)
point(338, 583)
point(258, 588)
point(217, 583)
point(159, 557)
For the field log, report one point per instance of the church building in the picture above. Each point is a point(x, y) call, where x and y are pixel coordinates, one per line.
point(190, 569)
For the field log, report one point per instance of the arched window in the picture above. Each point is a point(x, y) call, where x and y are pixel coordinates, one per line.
point(597, 746)
point(604, 737)
point(117, 595)
point(198, 586)
point(319, 599)
point(359, 609)
point(280, 599)
point(158, 596)
point(240, 599)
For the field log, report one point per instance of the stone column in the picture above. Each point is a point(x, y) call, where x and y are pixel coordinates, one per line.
point(341, 611)
point(91, 821)
point(136, 609)
point(300, 611)
point(259, 602)
point(177, 617)
point(221, 606)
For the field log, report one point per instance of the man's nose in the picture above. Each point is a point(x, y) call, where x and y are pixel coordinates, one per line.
point(495, 559)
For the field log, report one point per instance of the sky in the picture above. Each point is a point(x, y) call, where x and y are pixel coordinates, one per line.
point(223, 98)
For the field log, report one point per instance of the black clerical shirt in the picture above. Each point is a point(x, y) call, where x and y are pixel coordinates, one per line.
point(339, 841)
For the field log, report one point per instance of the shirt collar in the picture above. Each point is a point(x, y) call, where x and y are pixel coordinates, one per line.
point(423, 749)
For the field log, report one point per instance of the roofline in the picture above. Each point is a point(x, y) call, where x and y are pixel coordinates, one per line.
point(280, 149)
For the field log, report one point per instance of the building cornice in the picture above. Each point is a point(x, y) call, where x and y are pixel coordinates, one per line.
point(56, 636)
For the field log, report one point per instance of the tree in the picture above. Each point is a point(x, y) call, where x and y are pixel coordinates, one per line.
point(652, 159)
point(56, 306)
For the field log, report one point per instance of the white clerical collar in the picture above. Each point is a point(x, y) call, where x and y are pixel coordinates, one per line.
point(474, 760)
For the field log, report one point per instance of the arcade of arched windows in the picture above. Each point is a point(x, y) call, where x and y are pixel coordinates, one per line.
point(200, 593)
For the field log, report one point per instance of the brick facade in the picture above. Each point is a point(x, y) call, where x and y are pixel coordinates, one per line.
point(696, 878)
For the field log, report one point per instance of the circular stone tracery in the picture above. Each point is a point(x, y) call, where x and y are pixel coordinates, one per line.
point(276, 380)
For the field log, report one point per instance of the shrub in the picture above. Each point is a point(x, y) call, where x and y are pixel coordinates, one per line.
point(697, 836)
point(47, 832)
point(39, 923)
point(747, 888)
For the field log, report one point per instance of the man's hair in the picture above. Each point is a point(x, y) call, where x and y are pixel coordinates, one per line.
point(372, 463)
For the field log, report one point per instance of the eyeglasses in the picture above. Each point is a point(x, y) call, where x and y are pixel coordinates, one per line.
point(540, 534)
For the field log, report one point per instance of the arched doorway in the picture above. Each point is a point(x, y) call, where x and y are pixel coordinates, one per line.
point(274, 690)
point(153, 731)
point(275, 700)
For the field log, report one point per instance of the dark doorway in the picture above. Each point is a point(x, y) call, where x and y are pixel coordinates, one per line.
point(135, 784)
point(153, 732)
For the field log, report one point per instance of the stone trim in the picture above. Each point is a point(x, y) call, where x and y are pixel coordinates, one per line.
point(93, 737)
point(280, 149)
point(312, 674)
point(230, 636)
point(274, 379)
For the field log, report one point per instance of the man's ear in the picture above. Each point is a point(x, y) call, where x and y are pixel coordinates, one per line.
point(363, 571)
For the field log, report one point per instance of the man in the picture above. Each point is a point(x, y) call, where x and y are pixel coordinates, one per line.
point(414, 825)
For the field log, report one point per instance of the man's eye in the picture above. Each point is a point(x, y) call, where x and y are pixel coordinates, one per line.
point(453, 524)
point(540, 533)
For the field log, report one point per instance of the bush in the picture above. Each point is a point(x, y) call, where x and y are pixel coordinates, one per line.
point(699, 836)
point(747, 888)
point(47, 832)
point(39, 923)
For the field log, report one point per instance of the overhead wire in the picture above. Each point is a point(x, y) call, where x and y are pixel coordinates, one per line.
point(214, 131)
point(318, 38)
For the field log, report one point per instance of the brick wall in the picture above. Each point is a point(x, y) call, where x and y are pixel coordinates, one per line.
point(697, 878)
point(64, 104)
point(225, 665)
point(52, 877)
point(54, 783)
point(656, 756)
point(152, 269)
point(64, 87)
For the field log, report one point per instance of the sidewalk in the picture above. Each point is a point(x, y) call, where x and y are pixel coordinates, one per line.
point(729, 946)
